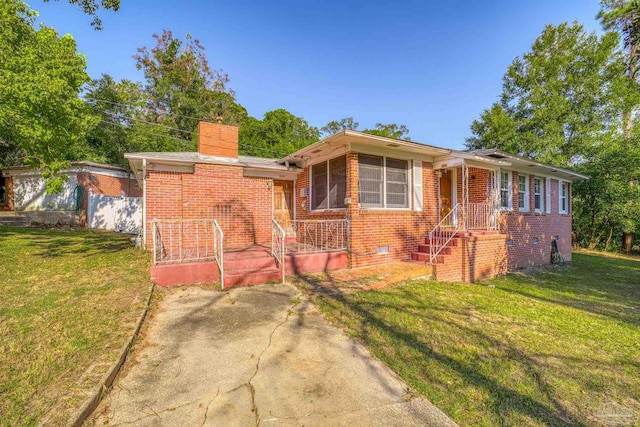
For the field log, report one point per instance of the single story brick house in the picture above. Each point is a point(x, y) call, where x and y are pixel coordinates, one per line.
point(87, 197)
point(352, 199)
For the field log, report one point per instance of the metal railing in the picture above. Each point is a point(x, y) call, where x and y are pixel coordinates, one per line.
point(188, 240)
point(308, 236)
point(442, 234)
point(218, 247)
point(278, 237)
point(480, 216)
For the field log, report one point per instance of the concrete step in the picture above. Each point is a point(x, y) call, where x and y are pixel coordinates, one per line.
point(13, 218)
point(254, 276)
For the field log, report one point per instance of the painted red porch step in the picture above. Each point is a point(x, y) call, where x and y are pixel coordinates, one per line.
point(248, 277)
point(250, 266)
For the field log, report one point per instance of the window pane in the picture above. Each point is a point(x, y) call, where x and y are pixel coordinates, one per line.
point(537, 190)
point(337, 182)
point(370, 180)
point(397, 183)
point(522, 192)
point(504, 189)
point(319, 186)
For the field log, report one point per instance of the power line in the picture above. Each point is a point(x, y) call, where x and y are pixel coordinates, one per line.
point(253, 149)
point(242, 144)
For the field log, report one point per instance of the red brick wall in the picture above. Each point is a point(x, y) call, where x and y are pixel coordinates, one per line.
point(109, 185)
point(242, 205)
point(473, 258)
point(106, 185)
point(522, 228)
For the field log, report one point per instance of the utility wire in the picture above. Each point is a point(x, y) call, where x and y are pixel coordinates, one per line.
point(254, 150)
point(120, 116)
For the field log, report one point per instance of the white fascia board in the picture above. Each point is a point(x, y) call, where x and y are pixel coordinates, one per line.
point(273, 174)
point(392, 152)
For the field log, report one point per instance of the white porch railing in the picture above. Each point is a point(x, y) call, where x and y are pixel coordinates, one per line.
point(189, 240)
point(218, 247)
point(278, 238)
point(308, 236)
point(480, 216)
point(442, 234)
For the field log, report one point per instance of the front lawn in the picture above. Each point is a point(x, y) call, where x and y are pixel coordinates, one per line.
point(559, 347)
point(69, 301)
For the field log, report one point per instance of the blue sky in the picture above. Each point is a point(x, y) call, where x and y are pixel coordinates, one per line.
point(433, 66)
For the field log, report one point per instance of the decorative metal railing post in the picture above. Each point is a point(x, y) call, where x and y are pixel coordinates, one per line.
point(154, 226)
point(443, 233)
point(218, 249)
point(278, 237)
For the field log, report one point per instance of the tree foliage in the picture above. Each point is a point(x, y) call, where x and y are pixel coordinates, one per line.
point(183, 88)
point(336, 126)
point(607, 205)
point(623, 16)
point(42, 119)
point(390, 130)
point(91, 7)
point(559, 98)
point(279, 133)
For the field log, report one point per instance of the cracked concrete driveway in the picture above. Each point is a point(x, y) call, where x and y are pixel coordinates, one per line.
point(255, 356)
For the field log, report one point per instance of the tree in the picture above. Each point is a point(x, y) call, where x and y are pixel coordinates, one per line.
point(336, 126)
point(624, 16)
point(42, 119)
point(90, 7)
point(390, 130)
point(279, 133)
point(607, 205)
point(559, 98)
point(121, 107)
point(182, 87)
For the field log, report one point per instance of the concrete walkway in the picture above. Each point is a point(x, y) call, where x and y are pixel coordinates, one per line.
point(254, 356)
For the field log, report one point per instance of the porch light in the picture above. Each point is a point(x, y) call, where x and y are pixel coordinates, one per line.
point(438, 174)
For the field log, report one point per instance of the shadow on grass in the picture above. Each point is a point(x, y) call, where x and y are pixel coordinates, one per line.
point(52, 243)
point(595, 284)
point(396, 328)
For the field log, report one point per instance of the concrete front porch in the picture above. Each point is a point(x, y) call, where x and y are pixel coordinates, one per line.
point(252, 265)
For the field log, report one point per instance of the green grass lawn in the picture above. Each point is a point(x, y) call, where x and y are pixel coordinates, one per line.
point(69, 301)
point(559, 347)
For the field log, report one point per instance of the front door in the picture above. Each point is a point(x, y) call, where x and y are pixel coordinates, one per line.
point(445, 194)
point(283, 205)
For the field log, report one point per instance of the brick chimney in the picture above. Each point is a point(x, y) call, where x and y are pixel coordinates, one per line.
point(216, 139)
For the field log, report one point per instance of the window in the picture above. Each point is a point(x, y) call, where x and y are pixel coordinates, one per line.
point(329, 184)
point(563, 197)
point(383, 182)
point(505, 190)
point(537, 194)
point(523, 193)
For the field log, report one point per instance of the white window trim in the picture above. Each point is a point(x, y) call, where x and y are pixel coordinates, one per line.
point(547, 190)
point(526, 206)
point(417, 185)
point(310, 198)
point(541, 186)
point(510, 190)
point(560, 210)
point(384, 187)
